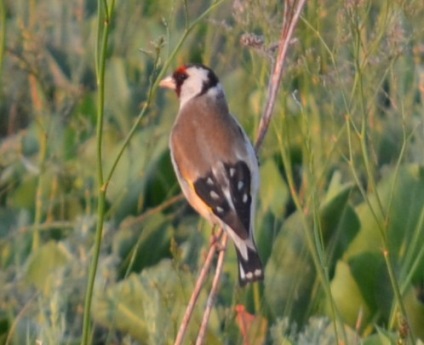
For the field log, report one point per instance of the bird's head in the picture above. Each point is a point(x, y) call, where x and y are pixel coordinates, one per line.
point(191, 81)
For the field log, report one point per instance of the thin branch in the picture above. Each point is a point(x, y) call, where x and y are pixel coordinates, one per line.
point(166, 204)
point(214, 289)
point(291, 16)
point(196, 292)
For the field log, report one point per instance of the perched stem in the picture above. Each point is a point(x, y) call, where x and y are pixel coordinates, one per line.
point(291, 16)
point(196, 292)
point(214, 289)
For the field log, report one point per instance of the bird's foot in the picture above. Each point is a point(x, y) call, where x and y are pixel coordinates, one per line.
point(216, 239)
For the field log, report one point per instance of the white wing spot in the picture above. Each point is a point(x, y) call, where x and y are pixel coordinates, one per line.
point(249, 275)
point(242, 274)
point(209, 181)
point(214, 195)
point(240, 185)
point(232, 172)
point(258, 272)
point(219, 209)
point(245, 198)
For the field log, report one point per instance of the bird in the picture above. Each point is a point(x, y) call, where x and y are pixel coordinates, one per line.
point(215, 162)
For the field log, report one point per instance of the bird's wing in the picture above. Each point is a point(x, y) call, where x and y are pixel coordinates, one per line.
point(225, 189)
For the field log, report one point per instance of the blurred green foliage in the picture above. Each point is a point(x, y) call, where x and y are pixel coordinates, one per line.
point(341, 172)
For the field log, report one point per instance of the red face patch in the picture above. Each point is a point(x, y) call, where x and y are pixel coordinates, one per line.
point(182, 70)
point(179, 76)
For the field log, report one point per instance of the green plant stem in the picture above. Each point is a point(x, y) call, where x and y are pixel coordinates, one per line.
point(397, 289)
point(39, 192)
point(102, 36)
point(2, 35)
point(380, 226)
point(380, 213)
point(413, 259)
point(318, 247)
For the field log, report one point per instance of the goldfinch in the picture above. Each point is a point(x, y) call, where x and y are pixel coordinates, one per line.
point(215, 162)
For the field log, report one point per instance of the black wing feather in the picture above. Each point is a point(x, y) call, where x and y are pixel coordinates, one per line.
point(239, 176)
point(210, 190)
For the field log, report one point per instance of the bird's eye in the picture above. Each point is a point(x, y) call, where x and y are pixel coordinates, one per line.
point(180, 77)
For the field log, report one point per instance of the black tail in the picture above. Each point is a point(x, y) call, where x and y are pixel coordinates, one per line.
point(250, 270)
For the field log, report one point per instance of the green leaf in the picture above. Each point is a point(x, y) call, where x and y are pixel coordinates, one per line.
point(342, 234)
point(117, 92)
point(347, 295)
point(150, 306)
point(402, 198)
point(161, 181)
point(140, 164)
point(44, 264)
point(370, 273)
point(333, 207)
point(289, 273)
point(24, 195)
point(273, 193)
point(279, 332)
point(4, 327)
point(339, 223)
point(383, 337)
point(320, 330)
point(134, 242)
point(414, 305)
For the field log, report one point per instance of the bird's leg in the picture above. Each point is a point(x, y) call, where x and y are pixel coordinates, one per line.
point(216, 239)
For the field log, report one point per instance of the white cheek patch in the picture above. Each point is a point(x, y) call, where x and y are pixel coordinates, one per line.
point(193, 85)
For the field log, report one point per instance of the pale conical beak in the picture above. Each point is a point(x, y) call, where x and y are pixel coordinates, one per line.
point(168, 83)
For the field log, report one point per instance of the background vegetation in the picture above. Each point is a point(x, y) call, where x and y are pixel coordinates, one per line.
point(340, 219)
